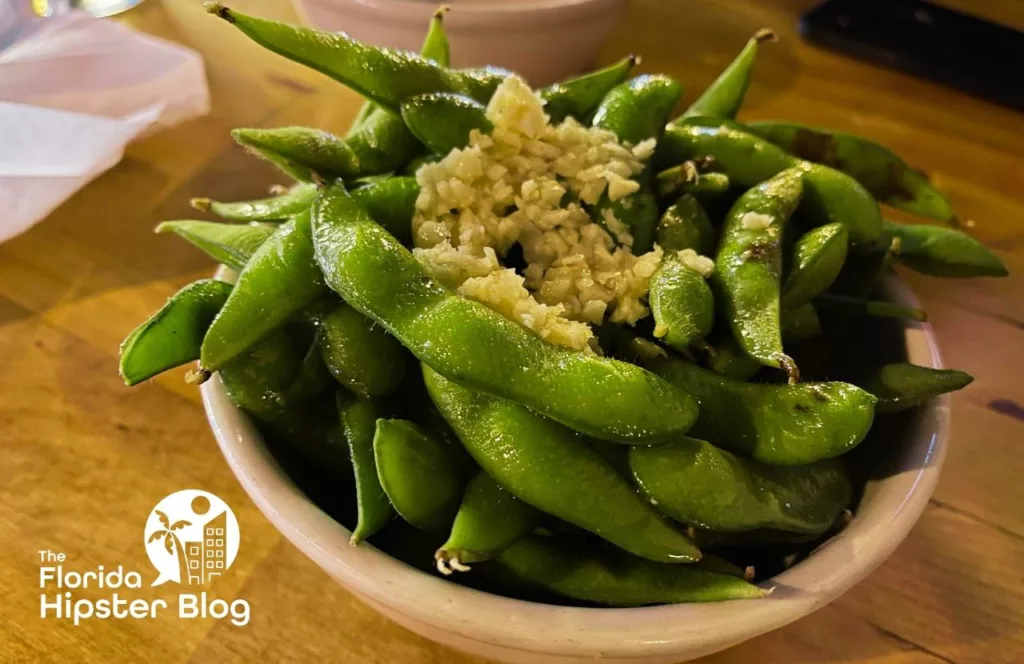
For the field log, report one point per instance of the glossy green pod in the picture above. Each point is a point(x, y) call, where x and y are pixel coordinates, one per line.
point(681, 303)
point(553, 469)
point(685, 225)
point(382, 280)
point(578, 97)
point(301, 152)
point(829, 195)
point(359, 354)
point(173, 335)
point(881, 171)
point(944, 252)
point(359, 423)
point(280, 280)
point(612, 578)
point(230, 244)
point(863, 270)
point(817, 259)
point(771, 423)
point(724, 96)
point(490, 519)
point(383, 75)
point(681, 180)
point(854, 306)
point(728, 359)
point(900, 386)
point(701, 485)
point(442, 120)
point(417, 474)
point(748, 268)
point(275, 208)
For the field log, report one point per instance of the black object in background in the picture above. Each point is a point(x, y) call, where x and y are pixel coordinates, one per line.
point(925, 40)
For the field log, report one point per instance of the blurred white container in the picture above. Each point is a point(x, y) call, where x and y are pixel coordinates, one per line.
point(544, 40)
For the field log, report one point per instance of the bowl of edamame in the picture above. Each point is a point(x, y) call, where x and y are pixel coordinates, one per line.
point(556, 374)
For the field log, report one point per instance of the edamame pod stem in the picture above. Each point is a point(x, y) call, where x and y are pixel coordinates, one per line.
point(900, 386)
point(829, 195)
point(685, 225)
point(681, 302)
point(696, 483)
point(490, 519)
point(280, 280)
point(636, 111)
point(360, 355)
point(381, 279)
point(818, 257)
point(383, 75)
point(301, 152)
point(748, 268)
point(944, 252)
point(770, 422)
point(554, 469)
point(881, 171)
point(578, 97)
point(442, 120)
point(724, 96)
point(728, 359)
point(417, 474)
point(853, 306)
point(680, 179)
point(275, 208)
point(359, 422)
point(172, 336)
point(230, 244)
point(612, 578)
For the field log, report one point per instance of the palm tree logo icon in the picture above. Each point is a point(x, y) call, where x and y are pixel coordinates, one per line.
point(191, 537)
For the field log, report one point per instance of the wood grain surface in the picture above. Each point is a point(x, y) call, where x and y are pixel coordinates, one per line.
point(85, 458)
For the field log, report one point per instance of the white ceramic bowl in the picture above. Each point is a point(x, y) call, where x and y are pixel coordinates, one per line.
point(511, 630)
point(544, 40)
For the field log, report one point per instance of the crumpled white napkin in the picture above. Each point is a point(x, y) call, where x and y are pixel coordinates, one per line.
point(74, 91)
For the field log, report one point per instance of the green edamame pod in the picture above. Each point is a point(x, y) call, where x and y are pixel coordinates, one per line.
point(578, 97)
point(490, 519)
point(709, 562)
point(275, 208)
point(944, 252)
point(727, 358)
point(261, 381)
point(417, 474)
point(900, 386)
point(681, 302)
point(435, 47)
point(442, 120)
point(172, 336)
point(853, 306)
point(612, 578)
point(359, 422)
point(748, 268)
point(696, 483)
point(230, 244)
point(383, 75)
point(360, 355)
point(279, 280)
point(770, 422)
point(636, 111)
point(818, 257)
point(680, 179)
point(391, 202)
point(881, 171)
point(829, 195)
point(383, 144)
point(725, 95)
point(553, 469)
point(863, 270)
point(685, 225)
point(301, 152)
point(381, 279)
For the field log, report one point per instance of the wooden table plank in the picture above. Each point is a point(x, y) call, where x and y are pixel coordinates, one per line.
point(87, 458)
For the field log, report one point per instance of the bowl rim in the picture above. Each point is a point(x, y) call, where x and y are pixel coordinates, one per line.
point(535, 628)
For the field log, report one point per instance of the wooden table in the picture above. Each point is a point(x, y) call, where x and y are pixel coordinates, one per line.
point(85, 458)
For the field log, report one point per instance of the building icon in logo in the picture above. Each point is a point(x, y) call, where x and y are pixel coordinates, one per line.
point(185, 543)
